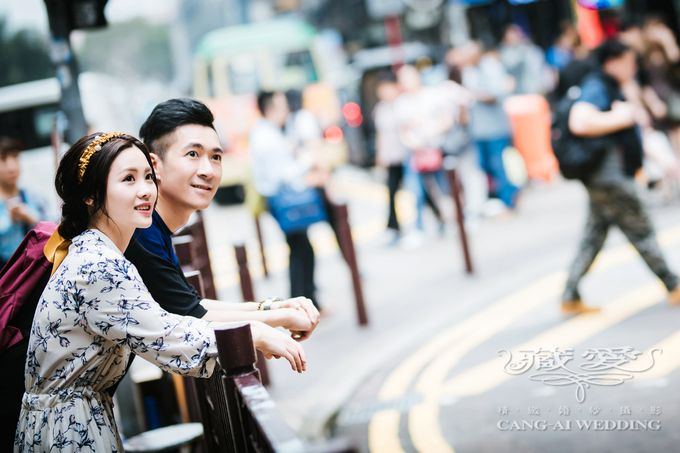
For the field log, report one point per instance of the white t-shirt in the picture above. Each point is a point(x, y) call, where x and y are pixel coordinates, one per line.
point(273, 160)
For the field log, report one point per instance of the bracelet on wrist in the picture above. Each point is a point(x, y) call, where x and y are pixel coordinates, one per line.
point(267, 303)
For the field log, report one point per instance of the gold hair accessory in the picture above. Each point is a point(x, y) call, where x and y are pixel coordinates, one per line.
point(93, 147)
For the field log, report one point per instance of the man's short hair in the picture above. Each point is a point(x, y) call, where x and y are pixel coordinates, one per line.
point(168, 116)
point(609, 50)
point(264, 100)
point(9, 146)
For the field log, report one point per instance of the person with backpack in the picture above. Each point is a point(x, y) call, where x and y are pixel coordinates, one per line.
point(20, 209)
point(95, 310)
point(603, 123)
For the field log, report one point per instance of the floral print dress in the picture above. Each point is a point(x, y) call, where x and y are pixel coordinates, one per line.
point(94, 312)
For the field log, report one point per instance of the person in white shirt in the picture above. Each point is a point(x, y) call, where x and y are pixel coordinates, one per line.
point(391, 154)
point(274, 165)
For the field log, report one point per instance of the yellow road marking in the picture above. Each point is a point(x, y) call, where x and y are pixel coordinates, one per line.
point(467, 335)
point(426, 433)
point(386, 444)
point(424, 429)
point(397, 383)
point(667, 362)
point(486, 376)
point(399, 380)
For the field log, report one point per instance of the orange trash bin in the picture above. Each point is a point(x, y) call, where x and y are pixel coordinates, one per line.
point(530, 122)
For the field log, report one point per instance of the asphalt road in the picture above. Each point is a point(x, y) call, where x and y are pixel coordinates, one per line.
point(428, 373)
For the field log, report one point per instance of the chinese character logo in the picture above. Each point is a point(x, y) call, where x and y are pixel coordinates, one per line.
point(602, 366)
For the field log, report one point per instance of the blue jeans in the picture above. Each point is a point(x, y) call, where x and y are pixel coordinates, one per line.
point(416, 182)
point(490, 152)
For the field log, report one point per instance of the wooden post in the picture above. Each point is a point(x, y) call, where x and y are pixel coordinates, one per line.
point(345, 233)
point(249, 295)
point(454, 184)
point(258, 230)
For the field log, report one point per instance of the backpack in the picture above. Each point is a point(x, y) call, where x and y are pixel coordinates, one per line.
point(578, 157)
point(24, 275)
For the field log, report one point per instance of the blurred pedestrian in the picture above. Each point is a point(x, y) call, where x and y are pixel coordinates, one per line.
point(662, 63)
point(275, 166)
point(525, 62)
point(565, 47)
point(20, 208)
point(602, 111)
point(303, 131)
point(458, 144)
point(391, 154)
point(422, 126)
point(488, 81)
point(632, 36)
point(302, 127)
point(651, 93)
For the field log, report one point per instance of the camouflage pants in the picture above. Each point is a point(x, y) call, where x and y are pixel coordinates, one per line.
point(617, 205)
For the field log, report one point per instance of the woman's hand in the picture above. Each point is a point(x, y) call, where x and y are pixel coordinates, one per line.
point(300, 316)
point(276, 344)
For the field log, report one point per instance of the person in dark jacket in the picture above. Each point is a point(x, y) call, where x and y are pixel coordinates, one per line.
point(602, 111)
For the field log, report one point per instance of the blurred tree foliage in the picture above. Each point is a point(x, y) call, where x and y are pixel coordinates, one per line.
point(24, 56)
point(134, 49)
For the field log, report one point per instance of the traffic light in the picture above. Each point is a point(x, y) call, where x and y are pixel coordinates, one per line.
point(68, 15)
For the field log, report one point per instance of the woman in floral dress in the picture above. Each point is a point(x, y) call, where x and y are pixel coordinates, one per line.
point(95, 310)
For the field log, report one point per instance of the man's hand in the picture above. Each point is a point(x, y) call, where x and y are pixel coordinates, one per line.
point(276, 344)
point(301, 316)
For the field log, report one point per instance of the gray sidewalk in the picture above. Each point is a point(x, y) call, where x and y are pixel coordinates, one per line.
point(410, 294)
